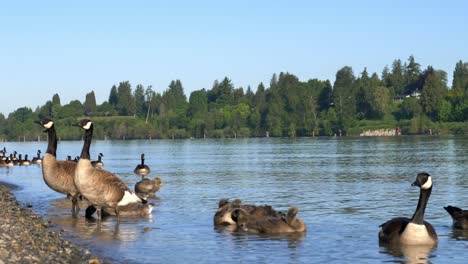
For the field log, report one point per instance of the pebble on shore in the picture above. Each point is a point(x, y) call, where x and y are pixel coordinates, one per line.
point(25, 238)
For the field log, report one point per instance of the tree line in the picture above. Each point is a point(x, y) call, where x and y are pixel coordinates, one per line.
point(405, 96)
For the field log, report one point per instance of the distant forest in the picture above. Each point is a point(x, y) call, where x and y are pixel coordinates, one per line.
point(405, 96)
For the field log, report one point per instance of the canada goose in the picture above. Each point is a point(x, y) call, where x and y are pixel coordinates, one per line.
point(14, 156)
point(129, 210)
point(100, 187)
point(3, 151)
point(17, 161)
point(414, 231)
point(147, 187)
point(25, 161)
point(142, 169)
point(226, 214)
point(98, 163)
point(58, 174)
point(38, 159)
point(269, 225)
point(459, 217)
point(7, 163)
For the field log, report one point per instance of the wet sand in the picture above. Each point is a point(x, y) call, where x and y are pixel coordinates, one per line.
point(27, 238)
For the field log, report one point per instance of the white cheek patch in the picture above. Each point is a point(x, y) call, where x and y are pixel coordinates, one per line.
point(428, 183)
point(48, 124)
point(87, 126)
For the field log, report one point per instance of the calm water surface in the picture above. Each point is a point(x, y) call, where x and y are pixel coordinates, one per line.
point(344, 188)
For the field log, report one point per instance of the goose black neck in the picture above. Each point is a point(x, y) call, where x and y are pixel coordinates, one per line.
point(142, 162)
point(52, 141)
point(418, 217)
point(99, 159)
point(87, 143)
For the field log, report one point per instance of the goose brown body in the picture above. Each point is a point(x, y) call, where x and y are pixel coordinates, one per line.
point(58, 174)
point(101, 188)
point(147, 187)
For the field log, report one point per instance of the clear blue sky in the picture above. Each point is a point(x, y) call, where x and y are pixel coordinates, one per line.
point(74, 47)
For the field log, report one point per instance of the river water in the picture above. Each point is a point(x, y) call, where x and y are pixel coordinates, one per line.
point(344, 189)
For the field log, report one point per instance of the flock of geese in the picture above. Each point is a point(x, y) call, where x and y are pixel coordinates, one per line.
point(107, 194)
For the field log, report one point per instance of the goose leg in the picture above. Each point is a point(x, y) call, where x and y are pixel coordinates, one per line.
point(98, 211)
point(117, 213)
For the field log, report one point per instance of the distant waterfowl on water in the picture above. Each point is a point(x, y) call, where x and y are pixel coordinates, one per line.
point(7, 163)
point(98, 163)
point(412, 231)
point(3, 151)
point(37, 159)
point(103, 189)
point(142, 169)
point(58, 174)
point(25, 161)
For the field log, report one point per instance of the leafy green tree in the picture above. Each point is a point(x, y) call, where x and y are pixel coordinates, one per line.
point(105, 109)
point(198, 104)
point(409, 108)
point(73, 109)
point(325, 99)
point(90, 104)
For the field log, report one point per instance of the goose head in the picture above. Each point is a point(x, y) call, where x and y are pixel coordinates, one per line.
point(85, 124)
point(423, 181)
point(47, 123)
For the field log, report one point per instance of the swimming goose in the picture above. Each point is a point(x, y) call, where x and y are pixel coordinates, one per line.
point(6, 163)
point(38, 159)
point(25, 161)
point(414, 231)
point(459, 217)
point(270, 225)
point(100, 187)
point(3, 151)
point(147, 187)
point(141, 168)
point(98, 163)
point(58, 174)
point(16, 160)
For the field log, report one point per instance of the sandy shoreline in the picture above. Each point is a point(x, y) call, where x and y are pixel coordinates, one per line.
point(26, 237)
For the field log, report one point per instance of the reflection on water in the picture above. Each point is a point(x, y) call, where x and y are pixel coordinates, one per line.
point(344, 189)
point(411, 254)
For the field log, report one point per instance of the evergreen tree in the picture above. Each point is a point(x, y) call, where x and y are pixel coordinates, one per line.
point(90, 104)
point(140, 103)
point(55, 106)
point(434, 91)
point(125, 100)
point(344, 97)
point(412, 76)
point(113, 96)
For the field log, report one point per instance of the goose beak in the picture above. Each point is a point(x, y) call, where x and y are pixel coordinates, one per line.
point(76, 124)
point(415, 184)
point(38, 122)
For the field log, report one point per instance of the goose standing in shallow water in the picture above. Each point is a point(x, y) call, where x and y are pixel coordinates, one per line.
point(414, 231)
point(142, 169)
point(58, 174)
point(100, 187)
point(3, 151)
point(146, 187)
